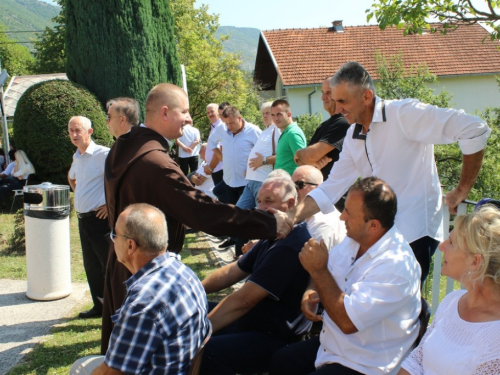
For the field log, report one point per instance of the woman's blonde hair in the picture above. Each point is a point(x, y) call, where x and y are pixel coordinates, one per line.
point(479, 233)
point(24, 165)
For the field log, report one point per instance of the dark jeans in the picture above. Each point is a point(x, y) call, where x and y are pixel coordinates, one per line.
point(189, 164)
point(227, 194)
point(93, 237)
point(299, 358)
point(10, 184)
point(424, 248)
point(231, 351)
point(217, 177)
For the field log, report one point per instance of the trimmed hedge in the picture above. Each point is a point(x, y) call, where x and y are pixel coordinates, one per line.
point(41, 125)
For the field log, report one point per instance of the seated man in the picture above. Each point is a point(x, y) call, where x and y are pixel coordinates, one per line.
point(163, 320)
point(264, 314)
point(327, 227)
point(369, 286)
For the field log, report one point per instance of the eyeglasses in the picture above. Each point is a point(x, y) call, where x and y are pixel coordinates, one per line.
point(302, 184)
point(113, 236)
point(108, 117)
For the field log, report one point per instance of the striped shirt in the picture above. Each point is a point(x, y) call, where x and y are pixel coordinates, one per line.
point(162, 322)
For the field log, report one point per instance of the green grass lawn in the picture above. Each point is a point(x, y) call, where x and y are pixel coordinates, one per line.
point(75, 337)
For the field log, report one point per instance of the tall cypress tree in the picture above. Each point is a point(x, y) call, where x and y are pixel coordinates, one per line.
point(120, 47)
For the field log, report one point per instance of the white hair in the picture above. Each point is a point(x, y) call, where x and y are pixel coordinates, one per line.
point(84, 121)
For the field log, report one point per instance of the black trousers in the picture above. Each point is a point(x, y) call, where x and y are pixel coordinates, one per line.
point(189, 164)
point(95, 245)
point(424, 248)
point(299, 358)
point(217, 176)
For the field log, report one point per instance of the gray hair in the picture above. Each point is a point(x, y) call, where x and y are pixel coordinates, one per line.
point(84, 121)
point(279, 173)
point(312, 174)
point(214, 105)
point(127, 107)
point(287, 187)
point(354, 75)
point(147, 225)
point(265, 105)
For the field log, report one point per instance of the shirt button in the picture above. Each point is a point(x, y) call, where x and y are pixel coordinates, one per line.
point(346, 279)
point(323, 331)
point(324, 350)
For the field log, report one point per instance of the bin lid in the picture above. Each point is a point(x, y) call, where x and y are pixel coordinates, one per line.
point(44, 186)
point(46, 196)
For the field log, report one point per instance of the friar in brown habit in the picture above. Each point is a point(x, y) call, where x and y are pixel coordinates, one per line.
point(139, 170)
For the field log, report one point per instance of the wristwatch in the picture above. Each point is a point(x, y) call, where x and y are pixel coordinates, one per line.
point(264, 160)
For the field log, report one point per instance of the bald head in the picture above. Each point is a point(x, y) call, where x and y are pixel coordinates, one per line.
point(167, 110)
point(306, 179)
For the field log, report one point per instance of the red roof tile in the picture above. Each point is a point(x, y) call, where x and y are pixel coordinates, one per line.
point(307, 56)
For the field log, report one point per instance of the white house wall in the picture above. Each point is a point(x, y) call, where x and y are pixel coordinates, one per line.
point(299, 101)
point(471, 93)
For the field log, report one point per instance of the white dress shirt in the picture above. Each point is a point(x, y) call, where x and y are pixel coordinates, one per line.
point(264, 146)
point(207, 185)
point(189, 135)
point(399, 149)
point(382, 299)
point(88, 171)
point(327, 227)
point(209, 152)
point(235, 151)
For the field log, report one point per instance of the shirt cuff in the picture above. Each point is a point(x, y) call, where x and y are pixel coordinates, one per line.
point(322, 200)
point(471, 146)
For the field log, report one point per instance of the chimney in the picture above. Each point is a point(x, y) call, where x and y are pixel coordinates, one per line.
point(337, 27)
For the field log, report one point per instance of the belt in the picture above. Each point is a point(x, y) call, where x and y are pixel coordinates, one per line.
point(83, 215)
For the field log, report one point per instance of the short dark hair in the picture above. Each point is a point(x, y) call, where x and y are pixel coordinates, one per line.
point(12, 154)
point(230, 111)
point(379, 200)
point(282, 102)
point(127, 107)
point(353, 74)
point(224, 105)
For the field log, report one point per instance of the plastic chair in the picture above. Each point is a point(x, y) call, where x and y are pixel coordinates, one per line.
point(194, 369)
point(20, 193)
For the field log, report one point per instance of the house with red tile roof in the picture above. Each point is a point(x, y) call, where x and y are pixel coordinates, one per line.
point(292, 63)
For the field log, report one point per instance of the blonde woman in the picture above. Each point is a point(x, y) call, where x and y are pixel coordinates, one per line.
point(22, 169)
point(464, 337)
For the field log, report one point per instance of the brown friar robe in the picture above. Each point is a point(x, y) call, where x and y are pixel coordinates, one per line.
point(139, 170)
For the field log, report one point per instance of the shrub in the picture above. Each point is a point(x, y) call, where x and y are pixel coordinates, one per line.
point(309, 123)
point(41, 125)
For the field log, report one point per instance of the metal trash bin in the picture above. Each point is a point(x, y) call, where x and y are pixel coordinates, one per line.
point(48, 260)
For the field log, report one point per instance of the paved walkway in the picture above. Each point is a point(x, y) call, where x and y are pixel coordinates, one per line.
point(25, 323)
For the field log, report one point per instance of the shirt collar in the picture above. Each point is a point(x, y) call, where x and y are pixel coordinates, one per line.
point(381, 245)
point(378, 116)
point(148, 268)
point(90, 149)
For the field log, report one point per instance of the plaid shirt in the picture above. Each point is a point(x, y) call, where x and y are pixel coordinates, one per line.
point(162, 322)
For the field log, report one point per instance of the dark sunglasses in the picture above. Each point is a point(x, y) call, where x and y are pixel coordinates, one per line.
point(302, 184)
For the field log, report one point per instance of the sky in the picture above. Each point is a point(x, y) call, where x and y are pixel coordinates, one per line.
point(286, 14)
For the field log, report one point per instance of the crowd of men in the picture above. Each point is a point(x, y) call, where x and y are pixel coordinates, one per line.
point(364, 262)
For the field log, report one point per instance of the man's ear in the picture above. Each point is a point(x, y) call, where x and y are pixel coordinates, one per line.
point(291, 203)
point(367, 96)
point(131, 246)
point(164, 112)
point(91, 131)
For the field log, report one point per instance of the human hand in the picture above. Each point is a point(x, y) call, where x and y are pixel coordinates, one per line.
point(195, 180)
point(101, 212)
point(248, 246)
point(320, 164)
point(256, 162)
point(208, 171)
point(284, 224)
point(314, 257)
point(309, 305)
point(453, 198)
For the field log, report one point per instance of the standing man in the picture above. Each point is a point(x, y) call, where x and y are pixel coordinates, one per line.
point(393, 140)
point(370, 290)
point(163, 320)
point(292, 137)
point(238, 137)
point(214, 165)
point(86, 178)
point(122, 114)
point(189, 149)
point(139, 170)
point(326, 143)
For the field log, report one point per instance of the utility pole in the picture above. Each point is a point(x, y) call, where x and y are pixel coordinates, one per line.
point(3, 78)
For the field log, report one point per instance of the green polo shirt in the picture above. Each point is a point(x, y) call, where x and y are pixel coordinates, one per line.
point(291, 140)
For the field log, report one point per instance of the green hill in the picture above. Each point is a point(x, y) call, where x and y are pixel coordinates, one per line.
point(242, 40)
point(26, 15)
